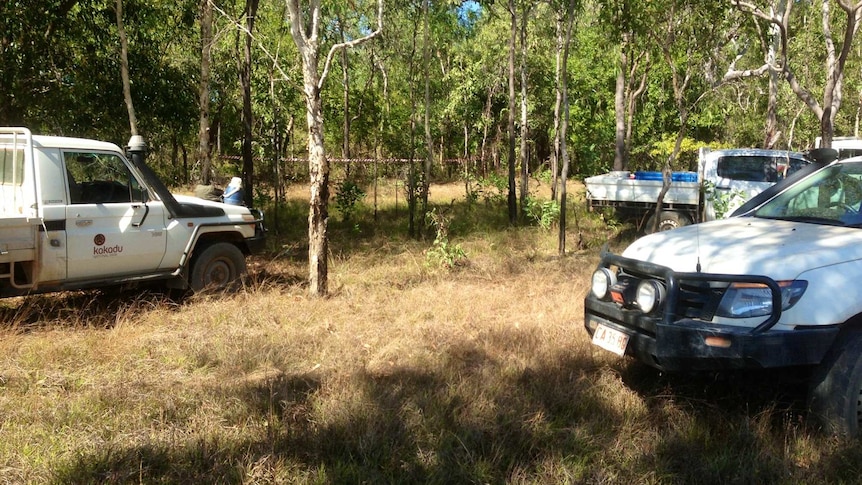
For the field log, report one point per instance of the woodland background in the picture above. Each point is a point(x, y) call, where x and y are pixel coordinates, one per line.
point(60, 67)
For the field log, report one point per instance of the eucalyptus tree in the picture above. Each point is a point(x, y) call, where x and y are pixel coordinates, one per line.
point(688, 35)
point(206, 44)
point(510, 126)
point(526, 10)
point(626, 22)
point(357, 76)
point(565, 19)
point(835, 53)
point(305, 21)
point(124, 68)
point(250, 14)
point(429, 142)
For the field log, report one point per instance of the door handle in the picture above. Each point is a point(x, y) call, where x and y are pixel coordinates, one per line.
point(84, 222)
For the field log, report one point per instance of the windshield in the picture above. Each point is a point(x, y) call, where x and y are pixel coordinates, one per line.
point(832, 196)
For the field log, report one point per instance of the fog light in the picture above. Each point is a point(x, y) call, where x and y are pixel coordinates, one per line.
point(603, 279)
point(720, 342)
point(650, 295)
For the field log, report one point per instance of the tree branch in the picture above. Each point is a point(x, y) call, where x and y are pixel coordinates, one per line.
point(345, 45)
point(245, 30)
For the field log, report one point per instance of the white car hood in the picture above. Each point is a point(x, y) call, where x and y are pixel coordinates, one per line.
point(748, 245)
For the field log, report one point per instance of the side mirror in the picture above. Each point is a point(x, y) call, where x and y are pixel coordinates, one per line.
point(823, 155)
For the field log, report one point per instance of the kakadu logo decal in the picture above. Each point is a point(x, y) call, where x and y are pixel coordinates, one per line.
point(101, 250)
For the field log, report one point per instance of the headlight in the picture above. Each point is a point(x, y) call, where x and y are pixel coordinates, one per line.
point(603, 279)
point(650, 295)
point(745, 300)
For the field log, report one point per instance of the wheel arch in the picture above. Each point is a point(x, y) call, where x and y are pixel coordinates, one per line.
point(207, 239)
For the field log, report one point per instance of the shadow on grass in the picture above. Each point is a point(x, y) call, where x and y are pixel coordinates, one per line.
point(84, 309)
point(107, 307)
point(470, 418)
point(730, 427)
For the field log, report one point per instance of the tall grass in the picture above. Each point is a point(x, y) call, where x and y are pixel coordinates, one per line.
point(408, 373)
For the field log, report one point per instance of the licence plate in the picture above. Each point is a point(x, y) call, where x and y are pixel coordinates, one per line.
point(610, 339)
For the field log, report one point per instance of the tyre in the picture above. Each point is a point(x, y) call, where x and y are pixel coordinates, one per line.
point(835, 396)
point(220, 266)
point(667, 220)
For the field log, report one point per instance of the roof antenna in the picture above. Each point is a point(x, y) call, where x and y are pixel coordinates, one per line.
point(697, 236)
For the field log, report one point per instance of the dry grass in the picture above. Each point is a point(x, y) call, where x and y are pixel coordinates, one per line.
point(407, 374)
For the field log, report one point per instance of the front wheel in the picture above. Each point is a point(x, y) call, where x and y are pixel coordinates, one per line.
point(835, 397)
point(218, 267)
point(667, 220)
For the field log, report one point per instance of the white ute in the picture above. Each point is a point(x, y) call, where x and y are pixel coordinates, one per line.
point(777, 285)
point(724, 180)
point(77, 213)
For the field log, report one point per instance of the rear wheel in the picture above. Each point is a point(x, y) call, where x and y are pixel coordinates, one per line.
point(835, 398)
point(667, 220)
point(219, 267)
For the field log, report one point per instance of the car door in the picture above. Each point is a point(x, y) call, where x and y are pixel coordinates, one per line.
point(112, 227)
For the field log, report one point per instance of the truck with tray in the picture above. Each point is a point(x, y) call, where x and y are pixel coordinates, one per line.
point(724, 180)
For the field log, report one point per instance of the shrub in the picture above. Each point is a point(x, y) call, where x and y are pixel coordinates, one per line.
point(347, 195)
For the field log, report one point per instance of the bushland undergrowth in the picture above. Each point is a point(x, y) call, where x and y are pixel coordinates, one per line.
point(479, 372)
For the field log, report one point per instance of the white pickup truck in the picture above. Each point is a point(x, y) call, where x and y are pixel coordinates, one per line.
point(776, 285)
point(724, 180)
point(77, 213)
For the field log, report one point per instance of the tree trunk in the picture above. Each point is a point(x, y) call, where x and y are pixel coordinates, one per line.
point(558, 106)
point(429, 142)
point(124, 69)
point(245, 80)
point(513, 33)
point(318, 214)
point(412, 190)
point(564, 125)
point(525, 127)
point(620, 161)
point(771, 132)
point(206, 19)
point(318, 170)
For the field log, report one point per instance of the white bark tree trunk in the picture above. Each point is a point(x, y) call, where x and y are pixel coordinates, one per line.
point(305, 35)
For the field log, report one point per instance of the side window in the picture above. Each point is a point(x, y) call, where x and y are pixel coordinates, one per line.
point(100, 178)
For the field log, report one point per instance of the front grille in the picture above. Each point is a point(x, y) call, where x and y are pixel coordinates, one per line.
point(693, 300)
point(697, 300)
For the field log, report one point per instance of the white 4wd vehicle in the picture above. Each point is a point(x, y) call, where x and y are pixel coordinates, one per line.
point(78, 213)
point(777, 285)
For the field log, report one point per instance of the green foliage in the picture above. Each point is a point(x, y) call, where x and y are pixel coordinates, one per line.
point(347, 196)
point(544, 175)
point(687, 157)
point(442, 253)
point(722, 201)
point(492, 189)
point(61, 76)
point(545, 212)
